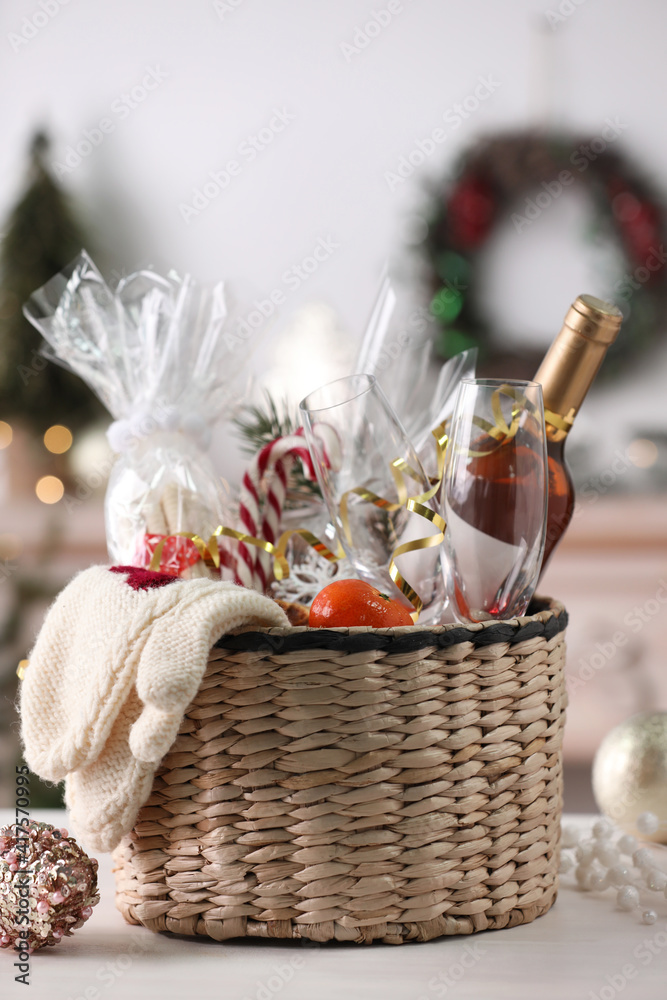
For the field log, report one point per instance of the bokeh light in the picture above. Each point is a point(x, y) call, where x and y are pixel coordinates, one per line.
point(49, 489)
point(643, 453)
point(447, 304)
point(6, 434)
point(58, 439)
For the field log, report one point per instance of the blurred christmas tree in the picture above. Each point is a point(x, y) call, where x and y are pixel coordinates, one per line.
point(40, 237)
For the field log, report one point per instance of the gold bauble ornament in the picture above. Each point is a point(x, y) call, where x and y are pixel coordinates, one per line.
point(630, 773)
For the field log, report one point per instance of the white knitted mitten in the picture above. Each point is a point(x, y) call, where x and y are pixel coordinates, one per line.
point(119, 658)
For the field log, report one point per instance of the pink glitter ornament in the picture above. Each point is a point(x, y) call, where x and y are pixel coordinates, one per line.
point(48, 886)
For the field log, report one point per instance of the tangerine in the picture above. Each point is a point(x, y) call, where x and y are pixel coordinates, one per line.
point(354, 602)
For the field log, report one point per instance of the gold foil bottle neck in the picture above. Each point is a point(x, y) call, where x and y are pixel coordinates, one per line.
point(574, 358)
point(594, 319)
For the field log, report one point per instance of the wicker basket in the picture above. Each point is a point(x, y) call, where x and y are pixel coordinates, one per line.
point(359, 784)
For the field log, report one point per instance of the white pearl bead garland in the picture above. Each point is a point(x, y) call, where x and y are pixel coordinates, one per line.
point(627, 844)
point(643, 858)
point(618, 876)
point(648, 823)
point(602, 829)
point(607, 854)
point(600, 862)
point(627, 897)
point(656, 881)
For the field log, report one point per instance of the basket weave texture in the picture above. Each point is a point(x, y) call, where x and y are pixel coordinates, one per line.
point(358, 785)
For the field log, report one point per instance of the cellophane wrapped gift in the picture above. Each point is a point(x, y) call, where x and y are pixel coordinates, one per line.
point(159, 353)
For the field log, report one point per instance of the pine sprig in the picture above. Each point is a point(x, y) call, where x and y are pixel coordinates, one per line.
point(258, 425)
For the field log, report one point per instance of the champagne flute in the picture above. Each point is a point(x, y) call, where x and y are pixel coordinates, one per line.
point(355, 439)
point(495, 494)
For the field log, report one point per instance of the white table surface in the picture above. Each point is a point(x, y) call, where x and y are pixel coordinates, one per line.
point(577, 951)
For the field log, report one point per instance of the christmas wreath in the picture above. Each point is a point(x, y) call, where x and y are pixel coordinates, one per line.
point(516, 177)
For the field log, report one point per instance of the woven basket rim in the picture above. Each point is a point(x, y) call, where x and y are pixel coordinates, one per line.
point(547, 619)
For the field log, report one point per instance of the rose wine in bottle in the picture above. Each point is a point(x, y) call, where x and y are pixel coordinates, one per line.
point(566, 374)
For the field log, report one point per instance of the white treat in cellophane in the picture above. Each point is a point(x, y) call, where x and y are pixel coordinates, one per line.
point(157, 352)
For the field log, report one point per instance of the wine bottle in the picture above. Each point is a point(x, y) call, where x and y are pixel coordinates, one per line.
point(566, 374)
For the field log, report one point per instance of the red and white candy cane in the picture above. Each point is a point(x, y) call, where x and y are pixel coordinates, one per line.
point(266, 479)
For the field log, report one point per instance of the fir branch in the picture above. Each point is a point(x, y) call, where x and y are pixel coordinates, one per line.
point(259, 425)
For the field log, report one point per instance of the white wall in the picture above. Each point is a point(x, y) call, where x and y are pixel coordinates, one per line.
point(354, 116)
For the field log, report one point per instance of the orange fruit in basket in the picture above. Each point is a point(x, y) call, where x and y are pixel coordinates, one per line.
point(353, 602)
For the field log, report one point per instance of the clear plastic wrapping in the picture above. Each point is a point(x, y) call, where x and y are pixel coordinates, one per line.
point(159, 353)
point(401, 356)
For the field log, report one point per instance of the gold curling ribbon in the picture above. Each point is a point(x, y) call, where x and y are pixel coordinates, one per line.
point(560, 423)
point(210, 552)
point(399, 469)
point(500, 431)
point(417, 505)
